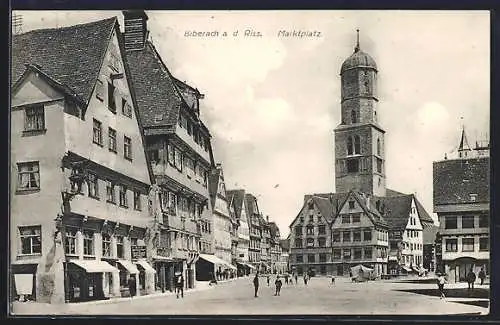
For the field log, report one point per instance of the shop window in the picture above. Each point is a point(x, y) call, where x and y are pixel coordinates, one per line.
point(31, 240)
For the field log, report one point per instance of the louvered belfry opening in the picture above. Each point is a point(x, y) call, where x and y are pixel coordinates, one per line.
point(136, 29)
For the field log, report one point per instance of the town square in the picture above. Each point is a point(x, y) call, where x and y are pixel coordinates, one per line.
point(232, 163)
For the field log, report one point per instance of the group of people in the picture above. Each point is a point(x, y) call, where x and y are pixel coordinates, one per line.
point(289, 278)
point(470, 278)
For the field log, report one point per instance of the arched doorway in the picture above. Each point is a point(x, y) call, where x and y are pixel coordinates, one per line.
point(461, 267)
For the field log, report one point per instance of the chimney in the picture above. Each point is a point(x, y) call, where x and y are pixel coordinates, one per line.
point(136, 29)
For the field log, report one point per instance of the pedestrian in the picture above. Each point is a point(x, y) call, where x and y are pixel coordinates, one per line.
point(256, 283)
point(132, 286)
point(268, 279)
point(278, 284)
point(333, 279)
point(305, 279)
point(286, 278)
point(180, 286)
point(471, 278)
point(440, 282)
point(482, 275)
point(296, 278)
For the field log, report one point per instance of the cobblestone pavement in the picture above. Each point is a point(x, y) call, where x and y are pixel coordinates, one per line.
point(318, 297)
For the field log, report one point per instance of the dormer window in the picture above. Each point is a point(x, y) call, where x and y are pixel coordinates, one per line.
point(351, 205)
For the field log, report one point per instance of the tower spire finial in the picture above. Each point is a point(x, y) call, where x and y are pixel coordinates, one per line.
point(357, 48)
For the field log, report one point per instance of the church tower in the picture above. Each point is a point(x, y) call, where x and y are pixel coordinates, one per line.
point(359, 139)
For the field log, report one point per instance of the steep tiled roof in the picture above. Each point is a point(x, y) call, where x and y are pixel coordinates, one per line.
point(213, 185)
point(390, 192)
point(285, 244)
point(396, 210)
point(237, 196)
point(326, 203)
point(454, 180)
point(156, 93)
point(72, 56)
point(251, 201)
point(422, 213)
point(429, 234)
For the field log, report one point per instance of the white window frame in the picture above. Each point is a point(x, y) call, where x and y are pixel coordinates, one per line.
point(31, 233)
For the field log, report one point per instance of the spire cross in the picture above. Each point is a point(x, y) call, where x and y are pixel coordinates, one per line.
point(356, 49)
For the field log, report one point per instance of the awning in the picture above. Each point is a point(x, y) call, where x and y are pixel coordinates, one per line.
point(131, 268)
point(232, 267)
point(213, 259)
point(393, 258)
point(145, 265)
point(406, 268)
point(94, 266)
point(251, 266)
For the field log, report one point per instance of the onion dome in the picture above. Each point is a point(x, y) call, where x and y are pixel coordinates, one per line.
point(358, 59)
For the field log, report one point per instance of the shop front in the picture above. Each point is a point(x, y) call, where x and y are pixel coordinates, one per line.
point(91, 280)
point(210, 267)
point(23, 280)
point(146, 277)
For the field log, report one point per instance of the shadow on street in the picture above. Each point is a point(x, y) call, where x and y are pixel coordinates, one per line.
point(479, 293)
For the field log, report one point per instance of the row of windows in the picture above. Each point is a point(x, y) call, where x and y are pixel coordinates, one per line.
point(112, 140)
point(358, 164)
point(412, 246)
point(204, 247)
point(468, 244)
point(310, 230)
point(468, 222)
point(182, 162)
point(199, 138)
point(93, 192)
point(176, 204)
point(345, 254)
point(354, 145)
point(413, 233)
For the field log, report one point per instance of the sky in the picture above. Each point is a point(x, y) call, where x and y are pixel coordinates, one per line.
point(272, 103)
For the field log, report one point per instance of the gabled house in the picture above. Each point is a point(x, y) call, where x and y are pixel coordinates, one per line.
point(179, 153)
point(254, 224)
point(77, 157)
point(238, 202)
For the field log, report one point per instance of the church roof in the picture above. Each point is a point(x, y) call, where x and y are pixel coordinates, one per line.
point(358, 59)
point(72, 56)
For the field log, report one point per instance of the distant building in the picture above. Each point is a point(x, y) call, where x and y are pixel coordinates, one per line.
point(254, 223)
point(265, 246)
point(363, 222)
point(430, 235)
point(238, 202)
point(462, 202)
point(275, 248)
point(285, 254)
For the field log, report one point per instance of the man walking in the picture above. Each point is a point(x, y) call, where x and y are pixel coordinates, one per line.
point(471, 278)
point(441, 282)
point(296, 279)
point(268, 279)
point(482, 275)
point(256, 283)
point(278, 284)
point(180, 286)
point(132, 286)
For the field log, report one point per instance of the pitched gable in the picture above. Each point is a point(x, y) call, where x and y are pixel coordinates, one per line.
point(237, 197)
point(72, 56)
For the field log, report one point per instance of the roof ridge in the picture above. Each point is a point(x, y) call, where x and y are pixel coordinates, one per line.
point(65, 27)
